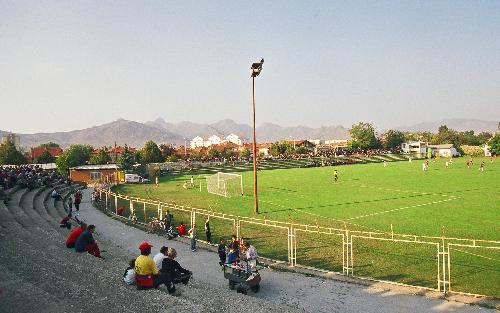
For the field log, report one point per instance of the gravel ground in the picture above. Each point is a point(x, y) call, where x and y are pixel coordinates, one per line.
point(310, 294)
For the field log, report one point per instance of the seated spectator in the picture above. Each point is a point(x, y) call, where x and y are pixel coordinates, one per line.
point(120, 210)
point(174, 269)
point(129, 275)
point(158, 258)
point(146, 273)
point(65, 222)
point(73, 236)
point(54, 194)
point(181, 229)
point(86, 242)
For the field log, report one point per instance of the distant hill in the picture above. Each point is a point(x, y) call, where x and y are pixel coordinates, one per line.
point(136, 134)
point(265, 133)
point(121, 131)
point(459, 124)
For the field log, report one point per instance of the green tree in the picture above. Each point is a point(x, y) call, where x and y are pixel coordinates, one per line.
point(281, 147)
point(301, 150)
point(483, 137)
point(166, 150)
point(196, 156)
point(468, 138)
point(245, 153)
point(394, 139)
point(213, 153)
point(173, 158)
point(444, 135)
point(150, 153)
point(126, 160)
point(228, 153)
point(75, 155)
point(101, 157)
point(363, 136)
point(44, 158)
point(10, 155)
point(494, 144)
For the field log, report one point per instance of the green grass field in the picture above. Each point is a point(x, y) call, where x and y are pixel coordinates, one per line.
point(463, 202)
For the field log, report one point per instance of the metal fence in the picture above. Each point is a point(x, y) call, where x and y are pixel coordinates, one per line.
point(446, 264)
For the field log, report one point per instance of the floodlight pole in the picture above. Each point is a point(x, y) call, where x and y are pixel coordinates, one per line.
point(255, 198)
point(256, 69)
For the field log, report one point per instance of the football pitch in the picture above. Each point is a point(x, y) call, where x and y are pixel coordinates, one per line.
point(453, 201)
point(463, 202)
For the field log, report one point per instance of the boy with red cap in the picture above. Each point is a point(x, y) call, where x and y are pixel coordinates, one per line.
point(147, 274)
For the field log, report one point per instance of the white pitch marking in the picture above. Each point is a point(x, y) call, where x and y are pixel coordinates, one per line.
point(402, 208)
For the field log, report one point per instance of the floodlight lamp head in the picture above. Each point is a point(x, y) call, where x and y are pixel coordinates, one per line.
point(257, 68)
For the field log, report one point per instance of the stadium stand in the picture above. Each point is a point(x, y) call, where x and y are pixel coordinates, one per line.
point(38, 273)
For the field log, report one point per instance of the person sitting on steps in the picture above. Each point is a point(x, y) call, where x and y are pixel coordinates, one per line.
point(75, 233)
point(147, 275)
point(174, 269)
point(129, 275)
point(65, 222)
point(86, 242)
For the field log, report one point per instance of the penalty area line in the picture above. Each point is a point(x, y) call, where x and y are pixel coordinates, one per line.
point(402, 208)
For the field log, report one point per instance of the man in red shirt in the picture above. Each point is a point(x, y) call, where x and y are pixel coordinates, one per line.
point(181, 229)
point(71, 240)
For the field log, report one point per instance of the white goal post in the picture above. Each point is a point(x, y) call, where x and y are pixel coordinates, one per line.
point(225, 184)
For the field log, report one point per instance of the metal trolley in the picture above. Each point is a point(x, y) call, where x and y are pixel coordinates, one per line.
point(241, 278)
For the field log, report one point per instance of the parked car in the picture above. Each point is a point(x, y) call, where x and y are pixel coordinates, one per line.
point(134, 178)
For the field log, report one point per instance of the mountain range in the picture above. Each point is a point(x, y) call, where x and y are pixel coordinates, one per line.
point(135, 134)
point(459, 124)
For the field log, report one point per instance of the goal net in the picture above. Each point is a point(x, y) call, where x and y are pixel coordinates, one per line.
point(225, 184)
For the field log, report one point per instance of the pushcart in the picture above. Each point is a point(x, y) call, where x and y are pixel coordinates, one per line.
point(242, 278)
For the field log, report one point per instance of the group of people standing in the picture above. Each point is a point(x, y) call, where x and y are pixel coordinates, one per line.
point(231, 253)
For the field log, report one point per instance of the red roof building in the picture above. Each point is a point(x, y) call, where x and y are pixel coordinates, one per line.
point(37, 151)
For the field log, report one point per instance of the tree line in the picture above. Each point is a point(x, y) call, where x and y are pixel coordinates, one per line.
point(363, 136)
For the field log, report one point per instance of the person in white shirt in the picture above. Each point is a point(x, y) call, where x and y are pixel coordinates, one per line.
point(129, 275)
point(251, 255)
point(158, 258)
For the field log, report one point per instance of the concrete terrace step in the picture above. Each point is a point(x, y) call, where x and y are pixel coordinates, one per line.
point(18, 295)
point(64, 281)
point(65, 274)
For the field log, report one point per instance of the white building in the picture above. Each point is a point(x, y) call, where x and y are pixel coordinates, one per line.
point(419, 147)
point(337, 142)
point(196, 142)
point(486, 150)
point(234, 139)
point(445, 150)
point(213, 140)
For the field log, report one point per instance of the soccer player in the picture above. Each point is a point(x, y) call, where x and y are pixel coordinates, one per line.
point(481, 167)
point(335, 175)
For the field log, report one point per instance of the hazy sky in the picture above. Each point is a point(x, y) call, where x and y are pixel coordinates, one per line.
point(68, 65)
